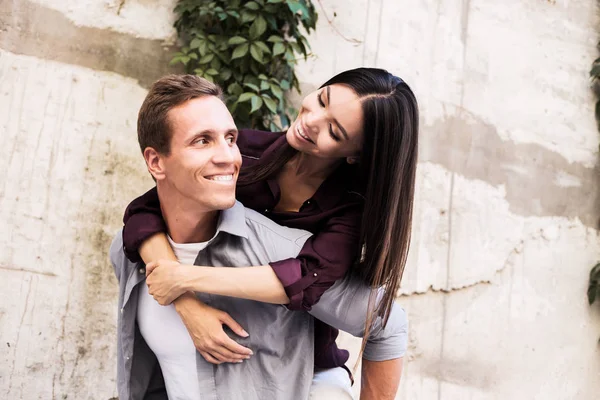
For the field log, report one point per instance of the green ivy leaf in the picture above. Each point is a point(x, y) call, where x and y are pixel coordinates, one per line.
point(275, 1)
point(225, 74)
point(252, 86)
point(233, 14)
point(264, 85)
point(235, 89)
point(252, 5)
point(258, 27)
point(256, 53)
point(274, 39)
point(263, 77)
point(212, 72)
point(594, 284)
point(248, 16)
point(270, 103)
point(237, 40)
point(202, 47)
point(278, 48)
point(215, 63)
point(305, 43)
point(277, 92)
point(297, 7)
point(296, 48)
point(195, 43)
point(245, 97)
point(285, 85)
point(206, 59)
point(256, 103)
point(263, 47)
point(240, 51)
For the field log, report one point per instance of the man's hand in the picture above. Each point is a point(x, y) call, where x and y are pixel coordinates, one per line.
point(205, 326)
point(164, 278)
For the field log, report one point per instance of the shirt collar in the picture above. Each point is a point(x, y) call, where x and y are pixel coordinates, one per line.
point(233, 221)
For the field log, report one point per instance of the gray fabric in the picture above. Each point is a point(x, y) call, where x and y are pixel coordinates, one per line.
point(345, 305)
point(282, 340)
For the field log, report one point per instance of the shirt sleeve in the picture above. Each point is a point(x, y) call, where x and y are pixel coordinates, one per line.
point(143, 218)
point(325, 258)
point(345, 305)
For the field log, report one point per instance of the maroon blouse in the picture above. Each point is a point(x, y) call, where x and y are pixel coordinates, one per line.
point(332, 215)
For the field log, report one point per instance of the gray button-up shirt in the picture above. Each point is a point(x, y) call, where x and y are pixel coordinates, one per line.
point(282, 340)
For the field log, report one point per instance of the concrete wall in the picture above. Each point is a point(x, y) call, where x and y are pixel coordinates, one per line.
point(507, 204)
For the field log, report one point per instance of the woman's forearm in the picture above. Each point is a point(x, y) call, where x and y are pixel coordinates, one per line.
point(253, 283)
point(157, 247)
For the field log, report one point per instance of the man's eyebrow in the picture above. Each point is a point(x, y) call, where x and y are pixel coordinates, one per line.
point(335, 120)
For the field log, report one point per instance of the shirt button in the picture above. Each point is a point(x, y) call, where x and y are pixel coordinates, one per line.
point(315, 274)
point(266, 210)
point(307, 202)
point(142, 270)
point(122, 310)
point(127, 358)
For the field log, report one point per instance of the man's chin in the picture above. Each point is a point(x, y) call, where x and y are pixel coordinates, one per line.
point(222, 204)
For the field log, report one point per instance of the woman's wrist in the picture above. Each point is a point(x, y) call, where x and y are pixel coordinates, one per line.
point(192, 275)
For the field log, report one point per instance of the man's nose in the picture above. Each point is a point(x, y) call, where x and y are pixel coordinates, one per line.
point(224, 152)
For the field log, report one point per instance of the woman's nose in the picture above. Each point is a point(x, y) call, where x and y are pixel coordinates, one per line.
point(314, 120)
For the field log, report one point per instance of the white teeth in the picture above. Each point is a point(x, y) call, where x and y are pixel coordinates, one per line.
point(301, 133)
point(221, 178)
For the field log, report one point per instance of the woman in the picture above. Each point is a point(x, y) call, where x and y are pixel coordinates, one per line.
point(344, 170)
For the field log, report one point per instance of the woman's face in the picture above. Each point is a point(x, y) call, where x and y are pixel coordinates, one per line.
point(329, 124)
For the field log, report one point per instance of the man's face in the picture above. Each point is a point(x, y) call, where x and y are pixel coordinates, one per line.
point(203, 165)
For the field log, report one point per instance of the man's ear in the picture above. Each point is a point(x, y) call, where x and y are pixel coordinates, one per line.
point(154, 162)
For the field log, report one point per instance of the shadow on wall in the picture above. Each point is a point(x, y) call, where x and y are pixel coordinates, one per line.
point(34, 30)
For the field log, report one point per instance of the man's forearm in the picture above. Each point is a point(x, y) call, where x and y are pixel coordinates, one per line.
point(380, 379)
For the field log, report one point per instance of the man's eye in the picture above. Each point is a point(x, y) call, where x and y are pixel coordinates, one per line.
point(200, 141)
point(231, 140)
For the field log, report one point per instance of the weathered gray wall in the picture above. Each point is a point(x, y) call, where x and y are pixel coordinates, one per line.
point(507, 206)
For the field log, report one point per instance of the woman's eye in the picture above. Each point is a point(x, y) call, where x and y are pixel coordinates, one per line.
point(321, 99)
point(333, 135)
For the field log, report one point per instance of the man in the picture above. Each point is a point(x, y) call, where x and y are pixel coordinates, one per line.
point(196, 167)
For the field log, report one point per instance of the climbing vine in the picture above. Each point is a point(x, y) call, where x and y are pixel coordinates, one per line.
point(250, 49)
point(593, 291)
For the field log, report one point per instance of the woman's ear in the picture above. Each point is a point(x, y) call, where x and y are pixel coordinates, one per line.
point(352, 160)
point(155, 164)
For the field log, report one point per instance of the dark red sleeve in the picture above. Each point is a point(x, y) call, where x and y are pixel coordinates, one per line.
point(142, 219)
point(325, 258)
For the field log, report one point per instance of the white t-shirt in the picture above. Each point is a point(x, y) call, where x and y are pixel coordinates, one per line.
point(167, 337)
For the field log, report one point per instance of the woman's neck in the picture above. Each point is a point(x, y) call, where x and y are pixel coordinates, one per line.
point(313, 167)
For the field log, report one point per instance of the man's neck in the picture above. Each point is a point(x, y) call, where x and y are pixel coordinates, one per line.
point(185, 223)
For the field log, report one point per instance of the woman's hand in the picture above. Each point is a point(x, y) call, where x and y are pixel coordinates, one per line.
point(165, 280)
point(205, 326)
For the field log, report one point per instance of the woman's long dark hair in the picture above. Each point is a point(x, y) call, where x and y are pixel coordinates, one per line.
point(388, 163)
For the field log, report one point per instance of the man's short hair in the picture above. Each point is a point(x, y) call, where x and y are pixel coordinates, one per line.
point(168, 92)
